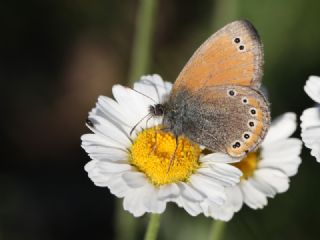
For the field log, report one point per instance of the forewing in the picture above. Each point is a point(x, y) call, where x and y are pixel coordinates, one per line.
point(233, 55)
point(230, 119)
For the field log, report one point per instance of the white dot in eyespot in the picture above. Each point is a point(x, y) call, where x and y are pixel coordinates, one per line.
point(232, 92)
point(244, 100)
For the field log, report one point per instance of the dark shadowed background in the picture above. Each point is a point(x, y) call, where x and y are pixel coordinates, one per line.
point(56, 57)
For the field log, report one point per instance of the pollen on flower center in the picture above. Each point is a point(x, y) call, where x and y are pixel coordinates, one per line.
point(248, 165)
point(152, 151)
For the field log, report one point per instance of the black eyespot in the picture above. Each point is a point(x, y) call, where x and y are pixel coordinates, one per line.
point(246, 136)
point(236, 145)
point(244, 100)
point(231, 92)
point(89, 122)
point(253, 111)
point(241, 47)
point(251, 124)
point(237, 40)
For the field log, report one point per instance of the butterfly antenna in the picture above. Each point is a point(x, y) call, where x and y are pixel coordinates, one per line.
point(135, 126)
point(148, 120)
point(145, 96)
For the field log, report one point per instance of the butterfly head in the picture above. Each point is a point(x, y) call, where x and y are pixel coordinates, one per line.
point(157, 110)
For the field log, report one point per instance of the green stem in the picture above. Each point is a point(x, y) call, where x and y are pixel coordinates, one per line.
point(143, 39)
point(153, 227)
point(217, 230)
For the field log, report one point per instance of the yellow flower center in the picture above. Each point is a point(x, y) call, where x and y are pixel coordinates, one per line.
point(154, 152)
point(248, 165)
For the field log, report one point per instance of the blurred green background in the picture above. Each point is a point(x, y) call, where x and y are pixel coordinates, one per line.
point(56, 57)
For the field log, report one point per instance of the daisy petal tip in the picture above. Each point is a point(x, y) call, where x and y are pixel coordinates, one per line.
point(315, 152)
point(312, 88)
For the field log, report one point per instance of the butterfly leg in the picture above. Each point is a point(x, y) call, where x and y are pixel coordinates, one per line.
point(156, 139)
point(155, 143)
point(174, 154)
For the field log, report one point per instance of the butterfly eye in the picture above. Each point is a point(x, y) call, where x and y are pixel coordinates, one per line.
point(232, 93)
point(244, 100)
point(253, 111)
point(237, 144)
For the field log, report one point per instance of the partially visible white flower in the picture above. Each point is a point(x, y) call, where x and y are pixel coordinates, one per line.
point(266, 172)
point(310, 118)
point(136, 167)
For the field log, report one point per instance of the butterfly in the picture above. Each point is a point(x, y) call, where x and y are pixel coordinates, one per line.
point(216, 100)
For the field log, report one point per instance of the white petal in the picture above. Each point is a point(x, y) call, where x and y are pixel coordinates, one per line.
point(234, 198)
point(310, 118)
point(134, 179)
point(270, 181)
point(282, 155)
point(310, 130)
point(282, 148)
point(94, 173)
point(142, 200)
point(225, 212)
point(132, 102)
point(90, 165)
point(111, 167)
point(312, 88)
point(108, 130)
point(101, 150)
point(282, 127)
point(221, 213)
point(133, 202)
point(109, 155)
point(151, 201)
point(98, 140)
point(168, 192)
point(110, 109)
point(193, 208)
point(104, 152)
point(288, 165)
point(211, 189)
point(224, 174)
point(117, 186)
point(103, 173)
point(154, 87)
point(189, 193)
point(252, 197)
point(218, 158)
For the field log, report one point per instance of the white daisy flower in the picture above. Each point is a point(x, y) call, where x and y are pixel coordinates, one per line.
point(266, 171)
point(310, 118)
point(135, 166)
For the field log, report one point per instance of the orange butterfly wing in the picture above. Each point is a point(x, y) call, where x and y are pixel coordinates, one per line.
point(231, 56)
